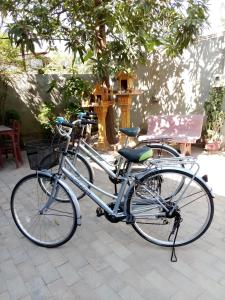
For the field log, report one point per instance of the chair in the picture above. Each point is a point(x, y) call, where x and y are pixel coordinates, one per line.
point(8, 143)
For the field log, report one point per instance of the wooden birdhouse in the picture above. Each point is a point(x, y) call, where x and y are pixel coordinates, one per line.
point(100, 93)
point(125, 82)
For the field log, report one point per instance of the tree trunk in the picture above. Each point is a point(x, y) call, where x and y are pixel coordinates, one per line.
point(101, 53)
point(23, 57)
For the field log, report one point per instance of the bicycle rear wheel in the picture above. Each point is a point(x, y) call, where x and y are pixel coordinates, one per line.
point(194, 200)
point(51, 227)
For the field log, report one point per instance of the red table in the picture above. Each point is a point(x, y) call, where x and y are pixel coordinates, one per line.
point(8, 131)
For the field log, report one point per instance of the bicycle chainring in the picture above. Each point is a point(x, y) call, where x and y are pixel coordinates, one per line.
point(111, 218)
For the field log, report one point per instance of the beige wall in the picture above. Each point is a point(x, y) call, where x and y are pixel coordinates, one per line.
point(26, 95)
point(178, 85)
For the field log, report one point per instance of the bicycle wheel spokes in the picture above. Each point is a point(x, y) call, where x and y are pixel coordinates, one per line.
point(50, 228)
point(194, 203)
point(46, 185)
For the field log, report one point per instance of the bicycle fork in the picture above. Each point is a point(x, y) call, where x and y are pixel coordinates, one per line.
point(52, 196)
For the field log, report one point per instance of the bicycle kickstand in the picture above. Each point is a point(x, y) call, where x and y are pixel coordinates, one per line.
point(176, 226)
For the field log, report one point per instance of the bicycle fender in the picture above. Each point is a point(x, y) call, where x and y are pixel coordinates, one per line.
point(199, 178)
point(71, 194)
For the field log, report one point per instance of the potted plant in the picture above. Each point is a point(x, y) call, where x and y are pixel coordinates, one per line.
point(215, 118)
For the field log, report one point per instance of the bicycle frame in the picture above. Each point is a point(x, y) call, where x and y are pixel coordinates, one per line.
point(98, 159)
point(77, 179)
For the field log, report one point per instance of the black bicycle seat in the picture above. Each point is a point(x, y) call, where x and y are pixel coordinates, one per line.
point(136, 155)
point(131, 132)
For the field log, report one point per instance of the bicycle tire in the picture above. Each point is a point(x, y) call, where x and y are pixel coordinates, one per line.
point(160, 148)
point(194, 213)
point(43, 229)
point(83, 167)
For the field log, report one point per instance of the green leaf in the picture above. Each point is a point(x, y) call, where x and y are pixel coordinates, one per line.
point(89, 55)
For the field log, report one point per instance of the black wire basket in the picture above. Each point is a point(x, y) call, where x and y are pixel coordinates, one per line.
point(43, 154)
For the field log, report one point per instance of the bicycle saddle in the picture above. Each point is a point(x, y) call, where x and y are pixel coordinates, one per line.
point(136, 155)
point(131, 132)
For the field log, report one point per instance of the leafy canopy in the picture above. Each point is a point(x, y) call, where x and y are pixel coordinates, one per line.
point(110, 33)
point(9, 56)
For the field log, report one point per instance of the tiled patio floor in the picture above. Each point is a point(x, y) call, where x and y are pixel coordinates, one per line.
point(110, 261)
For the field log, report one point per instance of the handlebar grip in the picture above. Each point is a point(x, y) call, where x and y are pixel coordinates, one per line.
point(85, 115)
point(63, 122)
point(91, 113)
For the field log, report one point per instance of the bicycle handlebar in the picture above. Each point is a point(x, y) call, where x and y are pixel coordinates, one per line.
point(86, 122)
point(60, 121)
point(86, 115)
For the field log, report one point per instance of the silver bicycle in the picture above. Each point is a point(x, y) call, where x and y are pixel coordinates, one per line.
point(161, 209)
point(82, 153)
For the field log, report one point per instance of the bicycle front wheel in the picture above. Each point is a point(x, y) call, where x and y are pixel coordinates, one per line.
point(194, 204)
point(81, 165)
point(158, 151)
point(47, 226)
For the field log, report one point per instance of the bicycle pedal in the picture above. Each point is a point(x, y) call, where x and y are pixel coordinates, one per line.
point(130, 219)
point(99, 212)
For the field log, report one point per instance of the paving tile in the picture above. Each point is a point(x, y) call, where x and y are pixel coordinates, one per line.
point(105, 292)
point(27, 270)
point(5, 255)
point(76, 258)
point(8, 269)
point(91, 277)
point(129, 293)
point(209, 270)
point(56, 257)
point(208, 296)
point(113, 279)
point(34, 284)
point(18, 255)
point(184, 295)
point(133, 279)
point(119, 249)
point(68, 273)
point(16, 288)
point(3, 286)
point(59, 290)
point(48, 272)
point(160, 282)
point(37, 254)
point(81, 290)
point(28, 297)
point(116, 263)
point(5, 296)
